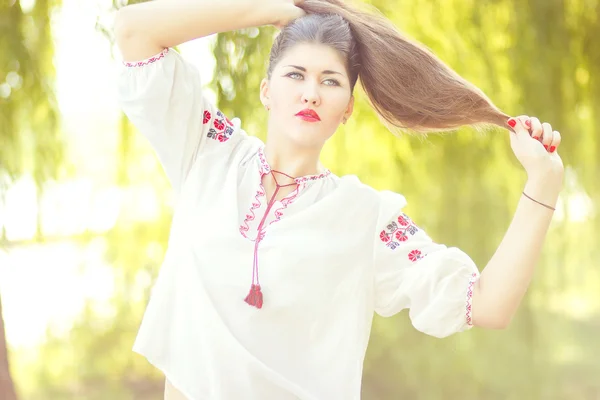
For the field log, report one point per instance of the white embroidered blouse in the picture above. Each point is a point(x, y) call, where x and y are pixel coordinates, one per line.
point(330, 254)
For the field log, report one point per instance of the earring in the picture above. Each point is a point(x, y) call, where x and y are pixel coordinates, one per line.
point(344, 121)
point(267, 108)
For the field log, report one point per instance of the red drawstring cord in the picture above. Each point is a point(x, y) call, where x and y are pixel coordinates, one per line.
point(255, 296)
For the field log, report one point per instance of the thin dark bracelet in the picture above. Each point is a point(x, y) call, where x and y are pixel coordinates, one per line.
point(551, 208)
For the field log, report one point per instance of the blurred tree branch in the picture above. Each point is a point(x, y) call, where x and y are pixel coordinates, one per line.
point(29, 115)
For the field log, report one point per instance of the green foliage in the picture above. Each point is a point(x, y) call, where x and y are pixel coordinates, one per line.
point(29, 120)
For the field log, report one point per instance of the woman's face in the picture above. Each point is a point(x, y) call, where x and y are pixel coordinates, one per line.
point(308, 94)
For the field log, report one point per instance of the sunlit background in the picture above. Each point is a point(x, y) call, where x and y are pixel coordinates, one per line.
point(85, 208)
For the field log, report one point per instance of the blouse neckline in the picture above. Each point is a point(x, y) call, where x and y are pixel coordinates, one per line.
point(266, 168)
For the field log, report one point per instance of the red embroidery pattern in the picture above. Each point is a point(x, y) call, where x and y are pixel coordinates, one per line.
point(255, 296)
point(207, 117)
point(222, 127)
point(399, 231)
point(245, 227)
point(472, 281)
point(284, 203)
point(302, 179)
point(219, 124)
point(147, 61)
point(266, 168)
point(414, 255)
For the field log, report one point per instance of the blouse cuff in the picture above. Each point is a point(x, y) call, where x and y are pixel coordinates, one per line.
point(469, 311)
point(147, 61)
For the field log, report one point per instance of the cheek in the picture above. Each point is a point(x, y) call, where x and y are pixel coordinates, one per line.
point(339, 104)
point(282, 92)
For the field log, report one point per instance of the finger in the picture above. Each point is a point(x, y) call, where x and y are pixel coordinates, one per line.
point(536, 128)
point(525, 119)
point(519, 127)
point(547, 135)
point(298, 2)
point(556, 139)
point(299, 13)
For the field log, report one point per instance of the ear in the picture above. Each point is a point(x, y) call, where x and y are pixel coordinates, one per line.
point(264, 92)
point(349, 109)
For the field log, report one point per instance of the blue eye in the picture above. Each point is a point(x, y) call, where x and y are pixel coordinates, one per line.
point(298, 76)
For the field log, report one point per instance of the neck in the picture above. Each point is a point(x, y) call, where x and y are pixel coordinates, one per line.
point(292, 159)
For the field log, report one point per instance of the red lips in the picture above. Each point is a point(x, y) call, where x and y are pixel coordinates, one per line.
point(309, 115)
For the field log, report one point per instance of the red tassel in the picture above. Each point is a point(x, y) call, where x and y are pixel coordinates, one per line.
point(255, 297)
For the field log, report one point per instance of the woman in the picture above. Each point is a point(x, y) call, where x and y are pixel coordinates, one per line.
point(329, 250)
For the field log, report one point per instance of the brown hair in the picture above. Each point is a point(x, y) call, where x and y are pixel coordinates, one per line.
point(407, 85)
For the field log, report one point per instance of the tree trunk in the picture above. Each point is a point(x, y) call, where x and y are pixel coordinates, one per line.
point(7, 389)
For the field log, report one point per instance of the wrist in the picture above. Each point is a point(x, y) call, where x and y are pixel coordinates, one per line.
point(246, 14)
point(250, 16)
point(266, 15)
point(550, 175)
point(543, 191)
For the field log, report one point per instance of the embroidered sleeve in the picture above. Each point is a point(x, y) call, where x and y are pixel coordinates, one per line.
point(433, 281)
point(163, 97)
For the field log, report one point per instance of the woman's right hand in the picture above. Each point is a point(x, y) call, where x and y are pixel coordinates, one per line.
point(285, 11)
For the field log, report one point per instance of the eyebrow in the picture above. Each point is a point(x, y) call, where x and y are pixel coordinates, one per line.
point(327, 71)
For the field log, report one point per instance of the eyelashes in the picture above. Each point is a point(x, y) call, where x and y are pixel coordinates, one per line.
point(293, 74)
point(298, 75)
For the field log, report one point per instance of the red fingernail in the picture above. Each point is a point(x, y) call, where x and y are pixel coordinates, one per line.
point(528, 123)
point(546, 147)
point(552, 149)
point(512, 123)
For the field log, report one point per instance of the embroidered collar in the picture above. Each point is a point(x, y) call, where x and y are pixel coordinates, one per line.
point(266, 168)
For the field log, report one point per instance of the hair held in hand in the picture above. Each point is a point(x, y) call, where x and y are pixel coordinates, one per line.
point(408, 86)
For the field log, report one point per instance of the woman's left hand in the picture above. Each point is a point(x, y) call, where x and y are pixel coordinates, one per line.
point(535, 145)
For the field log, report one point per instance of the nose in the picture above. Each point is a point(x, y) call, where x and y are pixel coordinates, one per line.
point(311, 96)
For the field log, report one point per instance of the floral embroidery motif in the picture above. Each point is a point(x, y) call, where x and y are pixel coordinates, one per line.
point(219, 124)
point(207, 117)
point(222, 127)
point(468, 310)
point(415, 255)
point(399, 231)
point(147, 61)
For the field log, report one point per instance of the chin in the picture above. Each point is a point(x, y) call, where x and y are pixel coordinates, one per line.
point(308, 137)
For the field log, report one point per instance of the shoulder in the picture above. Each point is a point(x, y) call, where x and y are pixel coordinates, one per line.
point(367, 207)
point(379, 199)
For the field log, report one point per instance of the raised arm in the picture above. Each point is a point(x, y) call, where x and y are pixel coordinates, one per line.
point(505, 279)
point(143, 30)
point(161, 93)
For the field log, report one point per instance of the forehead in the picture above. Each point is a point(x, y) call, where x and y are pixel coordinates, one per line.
point(312, 56)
